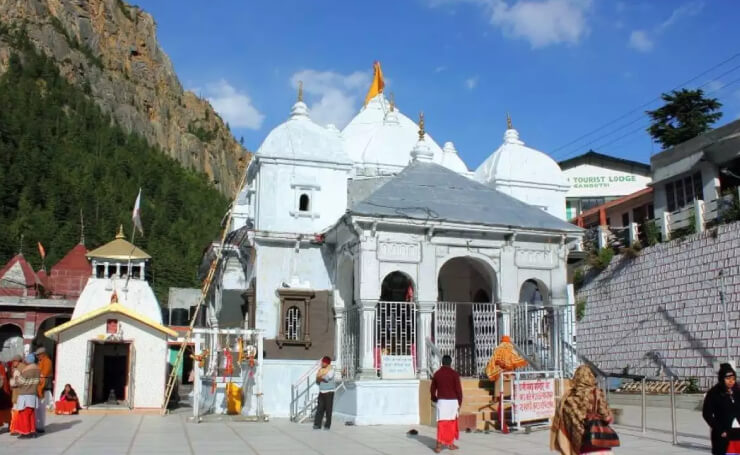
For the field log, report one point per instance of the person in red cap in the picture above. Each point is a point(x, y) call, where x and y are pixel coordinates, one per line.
point(325, 380)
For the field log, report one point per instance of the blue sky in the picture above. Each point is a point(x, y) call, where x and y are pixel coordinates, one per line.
point(562, 68)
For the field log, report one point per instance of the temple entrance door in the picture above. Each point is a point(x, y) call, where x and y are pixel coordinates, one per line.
point(109, 372)
point(465, 317)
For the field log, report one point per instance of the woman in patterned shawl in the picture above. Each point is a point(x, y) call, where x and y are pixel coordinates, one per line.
point(569, 424)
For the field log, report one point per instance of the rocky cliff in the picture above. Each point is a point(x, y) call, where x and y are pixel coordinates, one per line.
point(110, 49)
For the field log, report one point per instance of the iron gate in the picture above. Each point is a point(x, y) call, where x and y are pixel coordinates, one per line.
point(469, 357)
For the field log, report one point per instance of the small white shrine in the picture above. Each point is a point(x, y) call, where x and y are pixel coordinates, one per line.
point(114, 349)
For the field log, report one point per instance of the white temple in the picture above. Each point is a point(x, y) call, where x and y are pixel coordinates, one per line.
point(375, 245)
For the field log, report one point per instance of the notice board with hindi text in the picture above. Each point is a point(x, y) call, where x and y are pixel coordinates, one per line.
point(397, 367)
point(534, 399)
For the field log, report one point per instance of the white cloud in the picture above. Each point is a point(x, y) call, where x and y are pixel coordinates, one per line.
point(640, 40)
point(713, 86)
point(233, 105)
point(471, 82)
point(685, 10)
point(333, 97)
point(439, 69)
point(541, 22)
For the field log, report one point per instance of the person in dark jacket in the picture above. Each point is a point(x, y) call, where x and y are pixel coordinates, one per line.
point(721, 411)
point(446, 391)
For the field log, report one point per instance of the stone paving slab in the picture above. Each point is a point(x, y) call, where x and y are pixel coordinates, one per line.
point(150, 434)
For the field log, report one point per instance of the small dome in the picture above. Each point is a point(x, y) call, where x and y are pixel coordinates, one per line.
point(383, 138)
point(301, 139)
point(515, 162)
point(451, 160)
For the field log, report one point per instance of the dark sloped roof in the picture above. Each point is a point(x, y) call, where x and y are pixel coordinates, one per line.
point(596, 158)
point(428, 191)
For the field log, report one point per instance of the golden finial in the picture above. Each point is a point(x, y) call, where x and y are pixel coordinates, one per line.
point(300, 91)
point(421, 126)
point(508, 122)
point(393, 102)
point(120, 233)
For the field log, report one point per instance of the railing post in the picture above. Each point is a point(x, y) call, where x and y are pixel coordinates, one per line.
point(699, 215)
point(634, 233)
point(644, 407)
point(665, 226)
point(674, 430)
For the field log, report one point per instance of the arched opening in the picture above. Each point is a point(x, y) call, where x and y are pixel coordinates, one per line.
point(11, 341)
point(395, 318)
point(532, 323)
point(397, 287)
point(293, 323)
point(465, 319)
point(304, 203)
point(40, 340)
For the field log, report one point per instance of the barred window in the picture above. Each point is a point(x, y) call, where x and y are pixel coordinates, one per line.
point(293, 323)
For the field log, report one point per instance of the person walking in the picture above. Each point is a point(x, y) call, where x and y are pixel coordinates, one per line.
point(446, 391)
point(16, 366)
point(325, 404)
point(28, 399)
point(721, 411)
point(584, 400)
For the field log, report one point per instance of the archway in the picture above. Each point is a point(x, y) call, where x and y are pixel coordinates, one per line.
point(11, 341)
point(465, 319)
point(395, 318)
point(532, 323)
point(40, 340)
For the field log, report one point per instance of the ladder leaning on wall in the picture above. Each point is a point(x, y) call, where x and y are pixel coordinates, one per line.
point(172, 379)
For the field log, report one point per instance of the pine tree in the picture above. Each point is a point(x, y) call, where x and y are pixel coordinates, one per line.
point(685, 115)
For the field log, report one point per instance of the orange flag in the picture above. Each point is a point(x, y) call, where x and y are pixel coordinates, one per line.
point(377, 85)
point(42, 251)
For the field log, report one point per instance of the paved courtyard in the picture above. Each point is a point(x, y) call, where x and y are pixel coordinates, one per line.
point(151, 434)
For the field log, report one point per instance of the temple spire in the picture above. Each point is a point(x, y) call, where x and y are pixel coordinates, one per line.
point(509, 126)
point(421, 126)
point(300, 91)
point(120, 234)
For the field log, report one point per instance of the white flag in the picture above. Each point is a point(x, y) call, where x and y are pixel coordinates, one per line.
point(136, 215)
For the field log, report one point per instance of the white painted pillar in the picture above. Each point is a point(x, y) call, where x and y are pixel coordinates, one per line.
point(339, 338)
point(634, 233)
point(603, 236)
point(367, 339)
point(665, 226)
point(423, 331)
point(699, 215)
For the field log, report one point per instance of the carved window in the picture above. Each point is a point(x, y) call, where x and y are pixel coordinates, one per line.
point(304, 203)
point(295, 321)
point(292, 323)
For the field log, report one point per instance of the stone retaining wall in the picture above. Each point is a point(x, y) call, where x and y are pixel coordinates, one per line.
point(662, 308)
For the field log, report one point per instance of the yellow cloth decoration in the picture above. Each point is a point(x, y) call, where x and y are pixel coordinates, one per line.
point(233, 399)
point(377, 85)
point(504, 358)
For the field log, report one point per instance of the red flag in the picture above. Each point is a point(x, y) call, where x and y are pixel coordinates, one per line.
point(42, 251)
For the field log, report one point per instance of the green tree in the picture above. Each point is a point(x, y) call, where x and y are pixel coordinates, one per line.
point(685, 115)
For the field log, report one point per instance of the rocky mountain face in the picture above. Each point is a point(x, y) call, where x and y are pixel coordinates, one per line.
point(110, 49)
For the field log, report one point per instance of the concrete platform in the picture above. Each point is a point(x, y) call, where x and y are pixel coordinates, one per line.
point(173, 434)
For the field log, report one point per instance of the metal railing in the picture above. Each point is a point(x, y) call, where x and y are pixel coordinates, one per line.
point(303, 395)
point(395, 330)
point(543, 333)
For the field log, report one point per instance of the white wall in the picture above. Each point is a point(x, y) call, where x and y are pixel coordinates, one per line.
point(279, 187)
point(587, 180)
point(277, 263)
point(151, 358)
point(138, 297)
point(277, 377)
point(384, 402)
point(550, 200)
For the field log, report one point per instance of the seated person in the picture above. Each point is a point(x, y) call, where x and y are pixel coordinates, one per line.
point(68, 403)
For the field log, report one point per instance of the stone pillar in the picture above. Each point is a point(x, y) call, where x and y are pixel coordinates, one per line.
point(665, 226)
point(634, 233)
point(367, 339)
point(423, 331)
point(603, 236)
point(509, 285)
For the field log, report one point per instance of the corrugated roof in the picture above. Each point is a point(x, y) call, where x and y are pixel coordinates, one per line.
point(428, 191)
point(112, 308)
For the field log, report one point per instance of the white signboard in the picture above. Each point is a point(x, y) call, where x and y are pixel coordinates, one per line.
point(534, 399)
point(591, 181)
point(397, 367)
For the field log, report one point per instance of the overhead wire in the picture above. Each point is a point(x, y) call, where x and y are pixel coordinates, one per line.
point(644, 105)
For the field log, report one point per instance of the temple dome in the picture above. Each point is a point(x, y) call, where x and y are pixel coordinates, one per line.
point(514, 163)
point(383, 138)
point(451, 160)
point(301, 139)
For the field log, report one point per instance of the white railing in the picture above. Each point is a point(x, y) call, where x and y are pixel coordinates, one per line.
point(303, 395)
